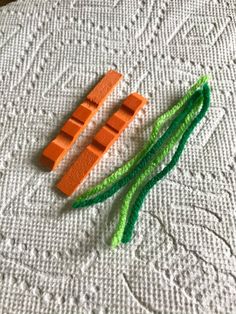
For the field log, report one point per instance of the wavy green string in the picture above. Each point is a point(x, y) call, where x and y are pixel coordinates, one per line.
point(158, 124)
point(137, 169)
point(124, 211)
point(149, 185)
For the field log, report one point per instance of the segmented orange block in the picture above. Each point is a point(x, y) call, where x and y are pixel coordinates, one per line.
point(57, 149)
point(102, 141)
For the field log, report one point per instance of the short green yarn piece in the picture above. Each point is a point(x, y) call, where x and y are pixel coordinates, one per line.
point(158, 124)
point(149, 185)
point(124, 211)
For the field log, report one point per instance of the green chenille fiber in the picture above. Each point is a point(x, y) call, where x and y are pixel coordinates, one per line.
point(124, 211)
point(127, 235)
point(142, 164)
point(157, 126)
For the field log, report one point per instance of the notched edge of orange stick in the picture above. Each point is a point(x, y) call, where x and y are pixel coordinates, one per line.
point(59, 146)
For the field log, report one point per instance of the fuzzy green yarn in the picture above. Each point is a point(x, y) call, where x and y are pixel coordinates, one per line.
point(149, 185)
point(158, 124)
point(137, 169)
point(124, 211)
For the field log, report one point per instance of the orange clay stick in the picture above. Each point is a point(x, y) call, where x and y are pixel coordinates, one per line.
point(102, 141)
point(57, 148)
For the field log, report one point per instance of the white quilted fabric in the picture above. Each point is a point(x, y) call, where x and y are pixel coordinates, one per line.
point(183, 257)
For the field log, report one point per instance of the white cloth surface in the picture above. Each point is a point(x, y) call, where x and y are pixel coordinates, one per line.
point(183, 256)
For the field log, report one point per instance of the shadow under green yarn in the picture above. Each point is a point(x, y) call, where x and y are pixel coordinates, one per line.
point(142, 163)
point(127, 235)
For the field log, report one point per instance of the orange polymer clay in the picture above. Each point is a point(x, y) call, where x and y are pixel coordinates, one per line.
point(102, 141)
point(57, 148)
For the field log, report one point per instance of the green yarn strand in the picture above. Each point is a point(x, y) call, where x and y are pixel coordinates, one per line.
point(158, 124)
point(124, 211)
point(149, 185)
point(137, 169)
